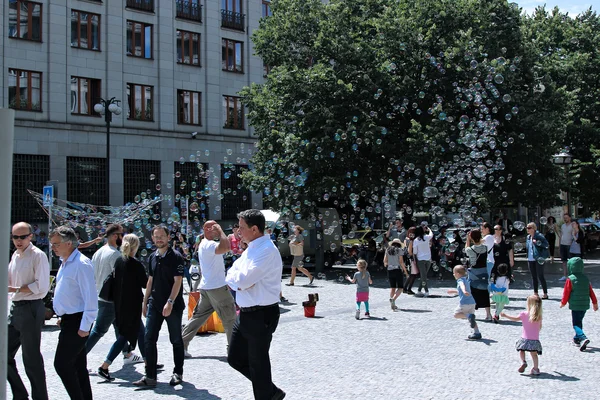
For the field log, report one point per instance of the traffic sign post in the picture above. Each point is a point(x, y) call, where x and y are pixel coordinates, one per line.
point(48, 197)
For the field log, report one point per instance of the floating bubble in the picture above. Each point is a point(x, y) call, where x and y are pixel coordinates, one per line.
point(431, 192)
point(519, 225)
point(158, 187)
point(499, 79)
point(543, 220)
point(144, 252)
point(341, 279)
point(152, 177)
point(541, 260)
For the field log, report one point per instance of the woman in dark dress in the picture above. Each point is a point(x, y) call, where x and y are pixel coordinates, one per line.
point(129, 280)
point(476, 250)
point(503, 252)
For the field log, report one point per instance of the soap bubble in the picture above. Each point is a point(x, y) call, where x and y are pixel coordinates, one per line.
point(519, 225)
point(152, 177)
point(543, 220)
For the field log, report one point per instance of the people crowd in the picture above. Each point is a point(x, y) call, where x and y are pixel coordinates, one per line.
point(115, 288)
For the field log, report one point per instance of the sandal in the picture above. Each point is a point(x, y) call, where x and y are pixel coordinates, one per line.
point(522, 367)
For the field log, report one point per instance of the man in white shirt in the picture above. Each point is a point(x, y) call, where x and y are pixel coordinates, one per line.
point(75, 303)
point(214, 293)
point(256, 278)
point(29, 280)
point(566, 238)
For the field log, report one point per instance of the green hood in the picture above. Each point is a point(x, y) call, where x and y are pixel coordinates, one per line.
point(575, 266)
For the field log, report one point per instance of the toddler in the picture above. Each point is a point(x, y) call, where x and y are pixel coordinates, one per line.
point(362, 279)
point(499, 289)
point(466, 305)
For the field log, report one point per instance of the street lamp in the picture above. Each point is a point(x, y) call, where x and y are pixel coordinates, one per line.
point(565, 159)
point(113, 108)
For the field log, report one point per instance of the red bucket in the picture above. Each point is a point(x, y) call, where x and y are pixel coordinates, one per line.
point(309, 312)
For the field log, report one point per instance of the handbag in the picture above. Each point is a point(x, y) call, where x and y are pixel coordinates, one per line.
point(107, 290)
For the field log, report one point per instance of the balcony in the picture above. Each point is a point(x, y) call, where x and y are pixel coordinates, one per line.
point(186, 9)
point(143, 5)
point(232, 20)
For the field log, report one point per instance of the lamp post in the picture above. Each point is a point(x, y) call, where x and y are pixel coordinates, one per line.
point(108, 108)
point(564, 158)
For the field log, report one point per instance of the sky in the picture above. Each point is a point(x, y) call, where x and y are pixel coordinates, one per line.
point(571, 6)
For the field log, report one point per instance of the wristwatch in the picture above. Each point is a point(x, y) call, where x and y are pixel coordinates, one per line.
point(170, 301)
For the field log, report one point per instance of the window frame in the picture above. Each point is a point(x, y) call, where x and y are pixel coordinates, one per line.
point(131, 100)
point(29, 107)
point(180, 43)
point(225, 5)
point(236, 101)
point(225, 44)
point(89, 30)
point(180, 94)
point(29, 20)
point(91, 91)
point(143, 39)
point(266, 6)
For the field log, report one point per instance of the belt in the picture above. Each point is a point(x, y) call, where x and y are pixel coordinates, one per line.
point(23, 302)
point(257, 308)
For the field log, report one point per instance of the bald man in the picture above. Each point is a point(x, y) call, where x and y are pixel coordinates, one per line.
point(29, 281)
point(214, 293)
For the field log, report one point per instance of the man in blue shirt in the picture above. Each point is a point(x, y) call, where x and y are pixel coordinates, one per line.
point(76, 304)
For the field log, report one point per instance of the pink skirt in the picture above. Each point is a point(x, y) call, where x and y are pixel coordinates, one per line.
point(362, 296)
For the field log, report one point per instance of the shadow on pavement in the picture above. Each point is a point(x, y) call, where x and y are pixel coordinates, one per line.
point(558, 376)
point(413, 310)
point(283, 310)
point(50, 328)
point(375, 319)
point(218, 358)
point(485, 341)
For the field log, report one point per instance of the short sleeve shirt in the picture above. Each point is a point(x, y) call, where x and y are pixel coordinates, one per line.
point(362, 284)
point(212, 265)
point(163, 270)
point(531, 330)
point(464, 299)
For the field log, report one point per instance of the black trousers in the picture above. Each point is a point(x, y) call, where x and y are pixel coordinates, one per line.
point(70, 360)
point(249, 348)
point(537, 272)
point(25, 331)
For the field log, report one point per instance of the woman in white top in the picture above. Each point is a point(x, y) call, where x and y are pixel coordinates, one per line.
point(488, 239)
point(421, 249)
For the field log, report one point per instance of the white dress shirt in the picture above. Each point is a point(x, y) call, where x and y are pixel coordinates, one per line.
point(103, 261)
point(256, 275)
point(212, 265)
point(29, 268)
point(75, 289)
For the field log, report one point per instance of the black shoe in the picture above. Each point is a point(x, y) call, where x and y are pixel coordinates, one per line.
point(584, 345)
point(176, 379)
point(105, 374)
point(160, 366)
point(278, 395)
point(312, 278)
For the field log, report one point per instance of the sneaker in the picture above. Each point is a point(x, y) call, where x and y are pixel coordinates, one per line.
point(576, 343)
point(105, 374)
point(426, 294)
point(283, 300)
point(132, 359)
point(367, 315)
point(522, 368)
point(160, 366)
point(278, 395)
point(186, 354)
point(145, 382)
point(394, 306)
point(392, 303)
point(496, 319)
point(475, 336)
point(176, 379)
point(357, 315)
point(419, 294)
point(535, 371)
point(584, 345)
point(410, 292)
point(564, 278)
point(289, 284)
point(471, 318)
point(312, 278)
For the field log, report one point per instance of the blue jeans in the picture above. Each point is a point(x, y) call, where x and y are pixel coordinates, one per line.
point(105, 318)
point(154, 321)
point(578, 325)
point(121, 342)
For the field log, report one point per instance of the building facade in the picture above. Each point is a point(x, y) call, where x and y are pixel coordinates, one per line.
point(176, 66)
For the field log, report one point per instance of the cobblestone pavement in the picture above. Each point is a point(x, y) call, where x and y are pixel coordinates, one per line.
point(418, 352)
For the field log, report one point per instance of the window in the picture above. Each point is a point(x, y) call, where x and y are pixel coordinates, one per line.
point(139, 98)
point(232, 55)
point(188, 47)
point(141, 178)
point(231, 15)
point(266, 8)
point(87, 180)
point(25, 90)
point(144, 5)
point(191, 181)
point(189, 9)
point(25, 20)
point(188, 107)
point(234, 112)
point(29, 172)
point(85, 93)
point(85, 30)
point(236, 198)
point(266, 70)
point(139, 39)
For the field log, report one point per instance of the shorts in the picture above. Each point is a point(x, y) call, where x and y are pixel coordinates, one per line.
point(297, 261)
point(362, 296)
point(564, 252)
point(396, 278)
point(465, 309)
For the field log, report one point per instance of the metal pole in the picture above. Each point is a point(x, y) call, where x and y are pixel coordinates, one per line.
point(7, 122)
point(568, 193)
point(108, 117)
point(50, 230)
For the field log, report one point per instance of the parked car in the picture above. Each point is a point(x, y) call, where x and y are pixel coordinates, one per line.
point(362, 237)
point(592, 235)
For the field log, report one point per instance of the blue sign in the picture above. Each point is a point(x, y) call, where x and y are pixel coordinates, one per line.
point(48, 196)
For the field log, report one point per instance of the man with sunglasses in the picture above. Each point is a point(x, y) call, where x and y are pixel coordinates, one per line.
point(28, 280)
point(104, 263)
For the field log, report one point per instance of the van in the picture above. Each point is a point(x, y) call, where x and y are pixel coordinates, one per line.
point(283, 227)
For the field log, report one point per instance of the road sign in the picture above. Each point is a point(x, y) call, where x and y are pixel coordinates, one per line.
point(48, 196)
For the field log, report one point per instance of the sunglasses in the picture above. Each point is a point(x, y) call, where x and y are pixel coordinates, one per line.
point(20, 237)
point(55, 244)
point(497, 229)
point(529, 228)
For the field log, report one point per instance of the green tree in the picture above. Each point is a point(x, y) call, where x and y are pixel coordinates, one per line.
point(432, 104)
